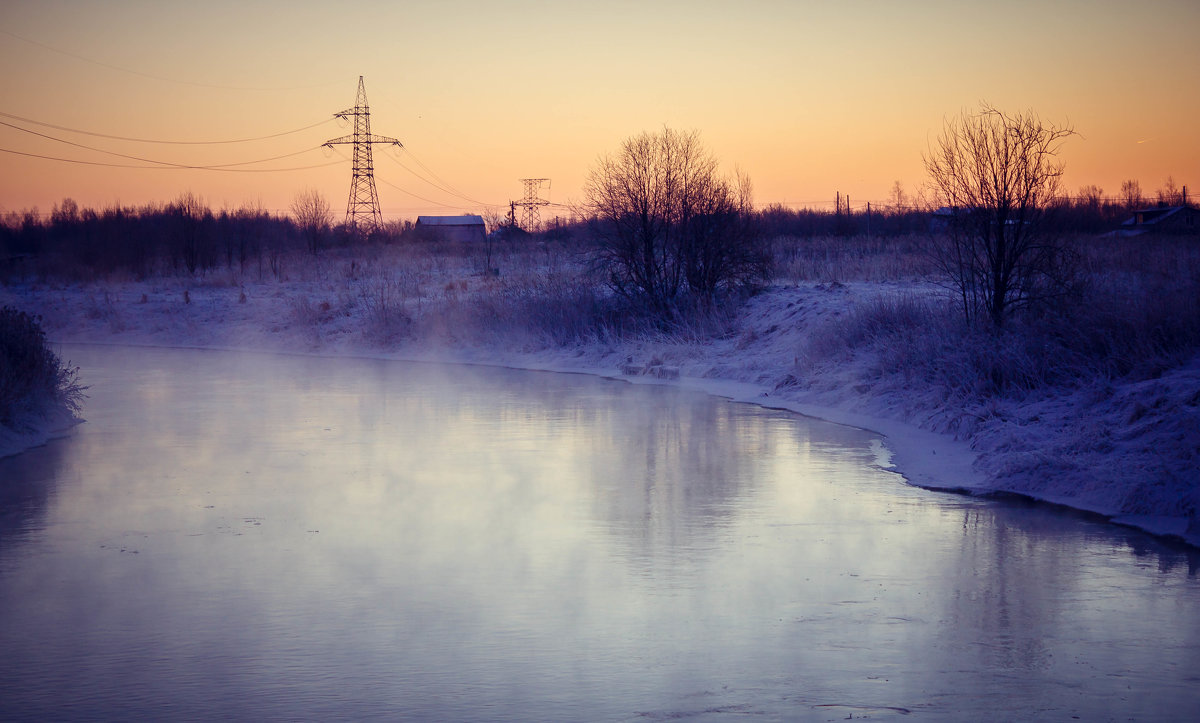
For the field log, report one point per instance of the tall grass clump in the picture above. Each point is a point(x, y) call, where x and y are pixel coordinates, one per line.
point(34, 383)
point(1119, 327)
point(856, 258)
point(382, 298)
point(531, 311)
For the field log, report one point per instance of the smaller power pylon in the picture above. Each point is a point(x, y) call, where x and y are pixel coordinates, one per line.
point(530, 215)
point(362, 210)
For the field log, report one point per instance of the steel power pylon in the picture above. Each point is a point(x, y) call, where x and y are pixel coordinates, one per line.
point(362, 210)
point(530, 216)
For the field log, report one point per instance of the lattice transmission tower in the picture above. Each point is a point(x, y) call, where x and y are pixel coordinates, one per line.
point(362, 210)
point(530, 215)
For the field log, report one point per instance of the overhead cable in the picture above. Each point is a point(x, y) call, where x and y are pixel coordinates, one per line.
point(169, 167)
point(402, 190)
point(444, 187)
point(213, 166)
point(149, 140)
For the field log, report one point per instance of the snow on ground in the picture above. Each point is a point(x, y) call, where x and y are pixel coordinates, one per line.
point(1127, 452)
point(35, 432)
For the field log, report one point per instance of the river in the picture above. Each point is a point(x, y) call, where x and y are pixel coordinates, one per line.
point(246, 536)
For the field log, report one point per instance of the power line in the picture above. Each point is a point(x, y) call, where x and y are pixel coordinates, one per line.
point(451, 189)
point(148, 140)
point(403, 190)
point(212, 166)
point(166, 167)
point(445, 188)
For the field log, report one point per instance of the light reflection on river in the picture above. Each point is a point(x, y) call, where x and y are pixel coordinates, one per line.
point(251, 536)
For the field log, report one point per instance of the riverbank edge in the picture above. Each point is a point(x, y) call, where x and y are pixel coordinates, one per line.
point(921, 458)
point(37, 433)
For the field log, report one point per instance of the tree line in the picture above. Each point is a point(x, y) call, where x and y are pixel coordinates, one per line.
point(186, 236)
point(182, 236)
point(664, 228)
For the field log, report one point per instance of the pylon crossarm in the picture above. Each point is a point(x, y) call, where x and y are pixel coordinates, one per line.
point(372, 139)
point(384, 139)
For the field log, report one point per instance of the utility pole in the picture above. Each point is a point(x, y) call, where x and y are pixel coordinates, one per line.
point(530, 215)
point(362, 209)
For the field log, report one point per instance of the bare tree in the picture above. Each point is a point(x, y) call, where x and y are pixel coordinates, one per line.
point(721, 246)
point(669, 224)
point(191, 218)
point(1131, 194)
point(1091, 197)
point(1169, 194)
point(313, 218)
point(898, 198)
point(999, 175)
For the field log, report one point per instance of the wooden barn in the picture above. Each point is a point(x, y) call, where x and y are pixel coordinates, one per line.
point(1162, 219)
point(468, 228)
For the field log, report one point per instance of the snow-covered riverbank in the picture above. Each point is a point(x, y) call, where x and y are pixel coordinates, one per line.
point(1130, 451)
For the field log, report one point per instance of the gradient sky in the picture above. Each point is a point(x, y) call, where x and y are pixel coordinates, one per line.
point(807, 98)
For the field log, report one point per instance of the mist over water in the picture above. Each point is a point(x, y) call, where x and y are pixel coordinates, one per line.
point(255, 536)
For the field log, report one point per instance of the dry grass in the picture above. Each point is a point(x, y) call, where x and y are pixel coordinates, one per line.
point(826, 259)
point(1135, 315)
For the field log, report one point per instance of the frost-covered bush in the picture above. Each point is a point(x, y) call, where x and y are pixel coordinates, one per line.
point(382, 299)
point(532, 310)
point(33, 382)
point(1137, 334)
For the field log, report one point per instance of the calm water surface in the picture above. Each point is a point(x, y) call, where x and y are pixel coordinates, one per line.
point(264, 537)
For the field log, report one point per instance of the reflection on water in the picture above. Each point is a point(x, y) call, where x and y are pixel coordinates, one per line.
point(26, 483)
point(292, 538)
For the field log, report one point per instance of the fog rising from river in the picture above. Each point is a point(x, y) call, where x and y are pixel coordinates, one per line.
point(290, 537)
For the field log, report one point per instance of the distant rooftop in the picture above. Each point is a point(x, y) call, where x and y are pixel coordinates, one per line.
point(464, 220)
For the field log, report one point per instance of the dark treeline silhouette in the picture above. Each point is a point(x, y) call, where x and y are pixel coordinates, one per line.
point(186, 236)
point(183, 236)
point(778, 220)
point(1079, 214)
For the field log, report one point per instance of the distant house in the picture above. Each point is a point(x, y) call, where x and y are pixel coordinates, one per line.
point(940, 220)
point(1161, 219)
point(467, 228)
point(943, 218)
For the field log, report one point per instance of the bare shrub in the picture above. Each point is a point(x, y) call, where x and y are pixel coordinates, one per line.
point(33, 381)
point(313, 217)
point(105, 309)
point(382, 299)
point(669, 225)
point(306, 313)
point(997, 176)
point(1128, 325)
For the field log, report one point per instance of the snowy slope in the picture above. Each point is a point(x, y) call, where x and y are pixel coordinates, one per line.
point(1130, 452)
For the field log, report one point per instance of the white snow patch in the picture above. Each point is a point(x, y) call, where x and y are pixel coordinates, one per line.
point(35, 432)
point(1097, 450)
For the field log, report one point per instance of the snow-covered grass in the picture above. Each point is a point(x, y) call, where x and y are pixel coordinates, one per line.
point(1094, 403)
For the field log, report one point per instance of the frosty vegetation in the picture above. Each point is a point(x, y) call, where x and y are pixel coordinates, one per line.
point(37, 390)
point(1091, 401)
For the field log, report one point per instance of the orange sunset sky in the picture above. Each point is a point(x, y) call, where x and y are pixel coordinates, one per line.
point(807, 98)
